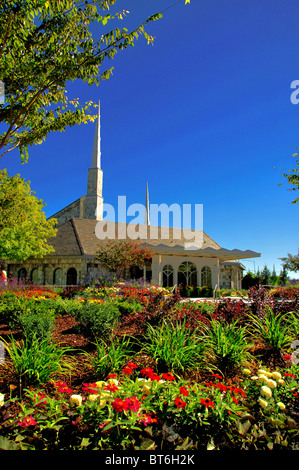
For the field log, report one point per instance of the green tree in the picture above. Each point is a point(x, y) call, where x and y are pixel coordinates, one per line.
point(291, 262)
point(120, 255)
point(292, 177)
point(266, 275)
point(43, 45)
point(24, 229)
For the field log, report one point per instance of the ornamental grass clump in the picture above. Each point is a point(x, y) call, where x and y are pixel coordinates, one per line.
point(227, 345)
point(174, 347)
point(36, 360)
point(275, 331)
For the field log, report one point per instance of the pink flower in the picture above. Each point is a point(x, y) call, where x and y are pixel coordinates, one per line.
point(28, 421)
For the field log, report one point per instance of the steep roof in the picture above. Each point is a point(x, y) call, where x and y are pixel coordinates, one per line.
point(81, 237)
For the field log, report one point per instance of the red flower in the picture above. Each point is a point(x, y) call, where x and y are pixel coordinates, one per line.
point(287, 357)
point(235, 401)
point(217, 376)
point(168, 376)
point(28, 421)
point(207, 402)
point(132, 365)
point(287, 374)
point(39, 398)
point(150, 374)
point(221, 387)
point(133, 403)
point(111, 376)
point(127, 370)
point(62, 387)
point(184, 391)
point(180, 403)
point(119, 405)
point(111, 387)
point(147, 418)
point(90, 388)
point(147, 371)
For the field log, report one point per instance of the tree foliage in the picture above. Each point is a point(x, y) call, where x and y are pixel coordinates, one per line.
point(120, 255)
point(24, 229)
point(43, 45)
point(291, 262)
point(292, 177)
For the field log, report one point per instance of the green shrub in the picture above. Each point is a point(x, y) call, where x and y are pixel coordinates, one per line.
point(95, 319)
point(38, 321)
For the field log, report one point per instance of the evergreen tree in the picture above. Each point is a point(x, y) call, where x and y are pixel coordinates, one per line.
point(265, 275)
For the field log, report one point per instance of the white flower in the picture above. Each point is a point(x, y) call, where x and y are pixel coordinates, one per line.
point(263, 402)
point(254, 377)
point(76, 399)
point(281, 405)
point(1, 399)
point(281, 382)
point(266, 391)
point(276, 375)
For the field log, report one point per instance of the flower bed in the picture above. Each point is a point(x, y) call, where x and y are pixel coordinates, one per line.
point(139, 370)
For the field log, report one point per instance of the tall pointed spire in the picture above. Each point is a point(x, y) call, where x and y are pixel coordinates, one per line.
point(96, 152)
point(93, 202)
point(147, 214)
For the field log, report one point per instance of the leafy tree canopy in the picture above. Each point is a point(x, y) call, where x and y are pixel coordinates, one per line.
point(120, 255)
point(292, 177)
point(43, 45)
point(24, 229)
point(291, 262)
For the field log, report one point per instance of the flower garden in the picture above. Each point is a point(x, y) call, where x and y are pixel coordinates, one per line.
point(133, 368)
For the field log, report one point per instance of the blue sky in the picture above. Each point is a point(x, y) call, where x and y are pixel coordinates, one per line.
point(204, 115)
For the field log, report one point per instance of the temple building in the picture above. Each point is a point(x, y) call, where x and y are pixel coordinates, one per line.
point(76, 243)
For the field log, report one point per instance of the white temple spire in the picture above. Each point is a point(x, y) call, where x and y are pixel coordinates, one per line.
point(96, 152)
point(147, 213)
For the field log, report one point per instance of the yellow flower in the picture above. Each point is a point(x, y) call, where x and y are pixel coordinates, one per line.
point(271, 383)
point(264, 372)
point(246, 372)
point(254, 377)
point(281, 382)
point(76, 399)
point(93, 397)
point(276, 375)
point(266, 391)
point(113, 381)
point(263, 402)
point(281, 405)
point(263, 378)
point(1, 399)
point(100, 383)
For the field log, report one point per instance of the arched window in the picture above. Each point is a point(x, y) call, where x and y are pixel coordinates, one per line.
point(167, 272)
point(57, 277)
point(206, 277)
point(34, 276)
point(71, 277)
point(187, 274)
point(22, 274)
